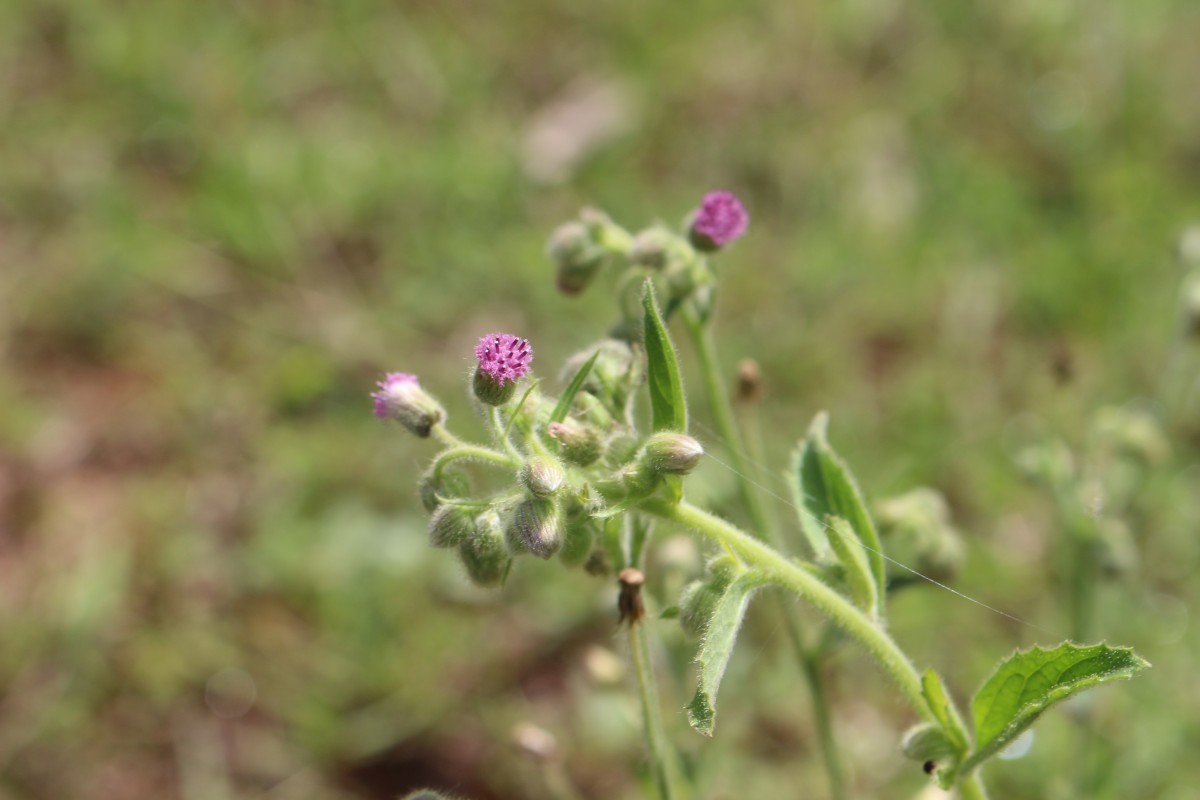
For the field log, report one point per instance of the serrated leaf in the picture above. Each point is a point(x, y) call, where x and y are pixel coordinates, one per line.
point(853, 559)
point(568, 396)
point(823, 486)
point(944, 710)
point(668, 407)
point(1029, 682)
point(719, 637)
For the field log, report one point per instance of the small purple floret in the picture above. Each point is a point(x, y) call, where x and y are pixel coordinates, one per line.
point(503, 357)
point(385, 398)
point(720, 219)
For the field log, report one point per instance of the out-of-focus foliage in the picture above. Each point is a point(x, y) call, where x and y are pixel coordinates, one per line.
point(220, 223)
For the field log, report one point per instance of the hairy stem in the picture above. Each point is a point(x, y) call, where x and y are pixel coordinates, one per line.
point(666, 769)
point(718, 399)
point(473, 452)
point(887, 654)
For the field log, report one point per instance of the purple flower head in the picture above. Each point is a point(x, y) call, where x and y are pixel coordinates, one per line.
point(401, 398)
point(720, 219)
point(503, 357)
point(392, 389)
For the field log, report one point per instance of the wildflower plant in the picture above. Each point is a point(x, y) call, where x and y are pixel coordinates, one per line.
point(590, 483)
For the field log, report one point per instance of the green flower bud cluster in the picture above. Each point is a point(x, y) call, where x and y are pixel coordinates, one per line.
point(573, 461)
point(581, 248)
point(916, 530)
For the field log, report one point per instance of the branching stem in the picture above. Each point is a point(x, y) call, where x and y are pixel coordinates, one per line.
point(791, 576)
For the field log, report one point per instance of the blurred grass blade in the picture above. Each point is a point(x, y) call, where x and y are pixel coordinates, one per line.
point(668, 406)
point(568, 396)
point(1029, 682)
point(823, 486)
point(719, 637)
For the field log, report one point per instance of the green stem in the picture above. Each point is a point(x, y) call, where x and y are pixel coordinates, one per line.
point(722, 409)
point(970, 787)
point(810, 660)
point(460, 450)
point(792, 576)
point(718, 399)
point(666, 770)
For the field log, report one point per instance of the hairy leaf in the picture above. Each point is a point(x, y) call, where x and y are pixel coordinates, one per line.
point(719, 637)
point(1029, 682)
point(944, 710)
point(823, 486)
point(568, 396)
point(668, 406)
point(854, 560)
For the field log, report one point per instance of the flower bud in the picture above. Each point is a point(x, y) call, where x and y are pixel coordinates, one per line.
point(579, 443)
point(688, 278)
point(503, 360)
point(720, 219)
point(401, 398)
point(450, 525)
point(542, 476)
point(483, 553)
point(452, 483)
point(579, 537)
point(576, 257)
point(654, 248)
point(670, 453)
point(535, 527)
point(749, 381)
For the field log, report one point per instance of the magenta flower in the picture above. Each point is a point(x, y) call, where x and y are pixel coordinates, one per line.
point(503, 360)
point(504, 357)
point(401, 398)
point(720, 219)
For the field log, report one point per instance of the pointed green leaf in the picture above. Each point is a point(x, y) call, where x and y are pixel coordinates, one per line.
point(564, 403)
point(668, 407)
point(1029, 682)
point(719, 636)
point(854, 560)
point(944, 710)
point(822, 486)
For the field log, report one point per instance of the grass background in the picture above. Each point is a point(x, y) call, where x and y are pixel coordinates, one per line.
point(219, 222)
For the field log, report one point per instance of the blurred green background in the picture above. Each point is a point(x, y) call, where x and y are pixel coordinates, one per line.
point(220, 222)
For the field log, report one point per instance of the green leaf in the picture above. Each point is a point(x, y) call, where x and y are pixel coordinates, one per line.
point(944, 711)
point(568, 396)
point(719, 637)
point(668, 406)
point(823, 486)
point(1029, 682)
point(854, 560)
